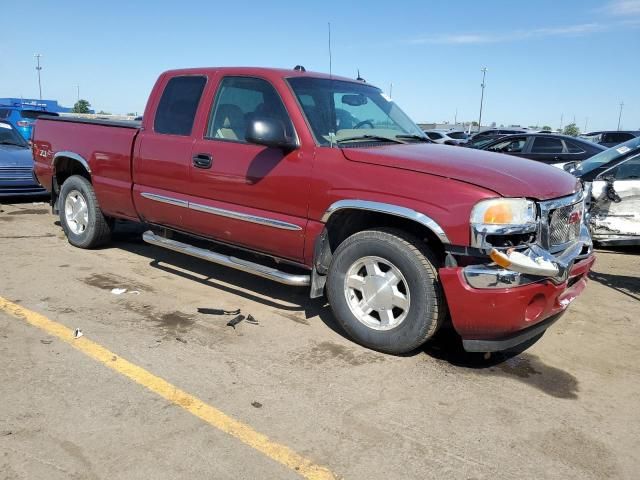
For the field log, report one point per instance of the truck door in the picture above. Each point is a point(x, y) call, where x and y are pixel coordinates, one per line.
point(161, 164)
point(615, 215)
point(247, 194)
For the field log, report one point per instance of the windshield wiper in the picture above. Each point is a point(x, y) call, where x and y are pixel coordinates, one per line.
point(415, 137)
point(369, 137)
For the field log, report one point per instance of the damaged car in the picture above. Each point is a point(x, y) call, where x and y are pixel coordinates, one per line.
point(613, 180)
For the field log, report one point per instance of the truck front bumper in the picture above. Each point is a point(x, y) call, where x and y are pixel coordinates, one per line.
point(509, 308)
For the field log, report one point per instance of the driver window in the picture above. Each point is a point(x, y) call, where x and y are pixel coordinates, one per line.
point(240, 100)
point(629, 170)
point(512, 145)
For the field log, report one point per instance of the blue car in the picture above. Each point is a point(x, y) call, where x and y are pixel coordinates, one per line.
point(22, 118)
point(16, 165)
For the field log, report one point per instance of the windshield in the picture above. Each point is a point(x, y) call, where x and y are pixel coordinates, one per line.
point(337, 110)
point(607, 156)
point(8, 136)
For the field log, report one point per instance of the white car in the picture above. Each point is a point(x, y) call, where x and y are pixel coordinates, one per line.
point(449, 137)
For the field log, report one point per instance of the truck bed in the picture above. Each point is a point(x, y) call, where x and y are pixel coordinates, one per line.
point(105, 146)
point(95, 121)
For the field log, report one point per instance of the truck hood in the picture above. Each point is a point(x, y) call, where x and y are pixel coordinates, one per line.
point(15, 156)
point(504, 174)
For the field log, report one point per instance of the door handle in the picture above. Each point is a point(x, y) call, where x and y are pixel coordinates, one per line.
point(202, 160)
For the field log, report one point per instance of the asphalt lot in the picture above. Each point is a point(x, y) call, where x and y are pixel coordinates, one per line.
point(568, 407)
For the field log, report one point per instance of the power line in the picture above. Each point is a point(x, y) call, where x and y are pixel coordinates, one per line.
point(38, 69)
point(484, 73)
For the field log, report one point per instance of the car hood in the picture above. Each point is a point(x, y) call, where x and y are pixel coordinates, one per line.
point(504, 174)
point(14, 156)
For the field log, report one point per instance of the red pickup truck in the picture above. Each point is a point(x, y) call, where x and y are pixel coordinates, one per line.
point(323, 182)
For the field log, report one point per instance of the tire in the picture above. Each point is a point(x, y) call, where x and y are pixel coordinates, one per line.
point(90, 228)
point(419, 293)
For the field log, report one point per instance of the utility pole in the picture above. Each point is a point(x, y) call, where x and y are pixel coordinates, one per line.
point(390, 90)
point(586, 120)
point(561, 120)
point(77, 91)
point(620, 114)
point(38, 68)
point(455, 118)
point(484, 74)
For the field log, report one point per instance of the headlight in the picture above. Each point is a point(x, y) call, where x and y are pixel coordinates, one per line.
point(504, 211)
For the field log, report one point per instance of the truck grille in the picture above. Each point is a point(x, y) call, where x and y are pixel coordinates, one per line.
point(564, 224)
point(16, 173)
point(561, 221)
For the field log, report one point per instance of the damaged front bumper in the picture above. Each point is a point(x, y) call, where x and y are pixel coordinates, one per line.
point(496, 307)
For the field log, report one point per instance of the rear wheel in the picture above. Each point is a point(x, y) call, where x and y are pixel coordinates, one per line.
point(80, 215)
point(384, 290)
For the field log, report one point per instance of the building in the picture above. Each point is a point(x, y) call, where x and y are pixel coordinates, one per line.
point(35, 104)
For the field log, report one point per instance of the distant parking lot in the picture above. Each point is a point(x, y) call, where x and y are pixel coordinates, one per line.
point(565, 408)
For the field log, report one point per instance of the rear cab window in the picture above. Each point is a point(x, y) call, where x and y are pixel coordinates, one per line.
point(5, 112)
point(178, 105)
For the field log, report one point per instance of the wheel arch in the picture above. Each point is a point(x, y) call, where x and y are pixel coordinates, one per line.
point(346, 217)
point(64, 165)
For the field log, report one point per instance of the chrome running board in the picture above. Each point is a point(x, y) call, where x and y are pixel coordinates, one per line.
point(228, 261)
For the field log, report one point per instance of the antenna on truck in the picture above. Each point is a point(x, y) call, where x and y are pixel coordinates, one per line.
point(329, 26)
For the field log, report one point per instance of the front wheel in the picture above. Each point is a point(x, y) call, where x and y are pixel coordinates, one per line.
point(80, 215)
point(384, 290)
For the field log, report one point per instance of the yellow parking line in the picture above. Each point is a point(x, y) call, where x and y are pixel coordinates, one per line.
point(214, 417)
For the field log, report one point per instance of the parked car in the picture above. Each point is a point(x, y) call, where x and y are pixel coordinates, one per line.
point(613, 180)
point(16, 164)
point(482, 138)
point(611, 138)
point(447, 137)
point(545, 147)
point(401, 234)
point(22, 118)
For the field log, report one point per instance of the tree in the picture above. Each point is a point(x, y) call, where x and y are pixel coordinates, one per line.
point(131, 114)
point(474, 124)
point(102, 112)
point(81, 106)
point(546, 127)
point(571, 129)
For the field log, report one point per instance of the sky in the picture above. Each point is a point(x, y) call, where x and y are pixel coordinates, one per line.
point(546, 59)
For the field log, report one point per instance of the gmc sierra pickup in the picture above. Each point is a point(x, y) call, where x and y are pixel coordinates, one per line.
point(324, 182)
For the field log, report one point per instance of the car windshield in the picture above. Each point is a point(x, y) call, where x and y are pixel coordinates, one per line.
point(339, 110)
point(8, 136)
point(607, 156)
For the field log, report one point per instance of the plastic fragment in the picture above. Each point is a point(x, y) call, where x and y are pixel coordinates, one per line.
point(235, 320)
point(252, 320)
point(218, 311)
point(118, 291)
point(77, 333)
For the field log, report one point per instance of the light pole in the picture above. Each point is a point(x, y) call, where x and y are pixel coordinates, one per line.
point(484, 74)
point(620, 114)
point(38, 68)
point(77, 91)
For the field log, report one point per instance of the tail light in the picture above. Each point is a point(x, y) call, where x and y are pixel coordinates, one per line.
point(23, 123)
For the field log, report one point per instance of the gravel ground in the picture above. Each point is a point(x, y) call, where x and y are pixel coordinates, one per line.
point(566, 408)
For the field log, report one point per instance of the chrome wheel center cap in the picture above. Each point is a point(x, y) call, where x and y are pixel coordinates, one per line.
point(377, 293)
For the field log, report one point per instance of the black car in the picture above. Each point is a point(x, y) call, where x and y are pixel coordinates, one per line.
point(545, 147)
point(16, 164)
point(611, 138)
point(477, 140)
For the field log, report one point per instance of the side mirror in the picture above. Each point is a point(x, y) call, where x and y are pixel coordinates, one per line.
point(570, 166)
point(268, 132)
